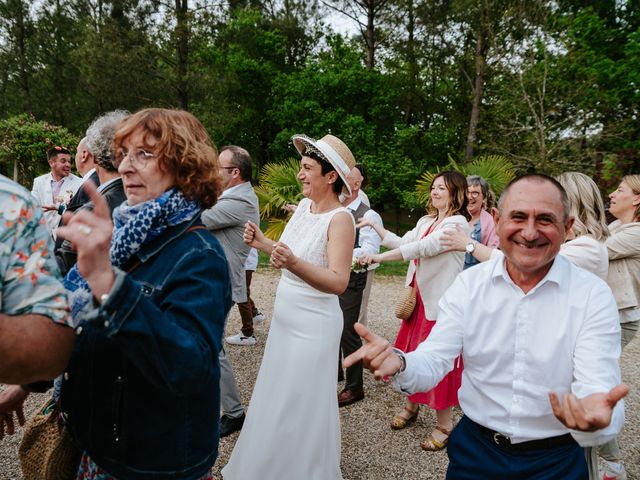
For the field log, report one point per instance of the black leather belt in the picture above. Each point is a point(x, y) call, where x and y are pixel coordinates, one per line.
point(504, 442)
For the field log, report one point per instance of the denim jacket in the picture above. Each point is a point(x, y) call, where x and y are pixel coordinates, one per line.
point(141, 392)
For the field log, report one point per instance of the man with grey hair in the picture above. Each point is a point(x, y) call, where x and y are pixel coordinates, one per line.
point(540, 342)
point(225, 220)
point(94, 150)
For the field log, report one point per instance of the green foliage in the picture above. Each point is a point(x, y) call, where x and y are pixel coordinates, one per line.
point(278, 187)
point(615, 166)
point(495, 169)
point(559, 84)
point(23, 146)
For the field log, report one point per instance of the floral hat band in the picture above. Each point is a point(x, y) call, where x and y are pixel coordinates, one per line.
point(331, 149)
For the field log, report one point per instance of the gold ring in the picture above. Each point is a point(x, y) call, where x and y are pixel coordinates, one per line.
point(84, 229)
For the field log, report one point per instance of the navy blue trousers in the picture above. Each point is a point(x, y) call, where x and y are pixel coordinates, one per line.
point(474, 456)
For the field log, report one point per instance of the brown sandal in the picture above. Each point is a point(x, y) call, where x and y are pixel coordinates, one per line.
point(398, 422)
point(431, 443)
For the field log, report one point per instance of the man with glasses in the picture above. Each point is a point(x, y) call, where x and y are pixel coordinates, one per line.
point(226, 219)
point(56, 187)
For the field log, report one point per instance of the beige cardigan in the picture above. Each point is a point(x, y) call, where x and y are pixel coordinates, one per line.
point(436, 270)
point(623, 247)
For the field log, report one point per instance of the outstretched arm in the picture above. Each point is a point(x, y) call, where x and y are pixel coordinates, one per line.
point(388, 256)
point(590, 413)
point(32, 348)
point(377, 354)
point(369, 222)
point(457, 240)
point(35, 343)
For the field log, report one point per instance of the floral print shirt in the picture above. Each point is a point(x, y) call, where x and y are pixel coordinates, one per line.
point(31, 282)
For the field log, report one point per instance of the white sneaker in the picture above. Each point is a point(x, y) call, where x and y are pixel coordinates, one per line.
point(240, 339)
point(613, 471)
point(259, 317)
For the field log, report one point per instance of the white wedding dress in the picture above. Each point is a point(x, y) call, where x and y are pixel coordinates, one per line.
point(292, 429)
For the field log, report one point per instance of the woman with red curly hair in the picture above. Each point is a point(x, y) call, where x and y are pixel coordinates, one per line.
point(150, 293)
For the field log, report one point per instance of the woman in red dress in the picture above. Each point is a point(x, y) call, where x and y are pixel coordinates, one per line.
point(431, 270)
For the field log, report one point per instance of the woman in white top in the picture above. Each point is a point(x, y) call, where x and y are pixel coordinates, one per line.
point(292, 429)
point(623, 247)
point(432, 269)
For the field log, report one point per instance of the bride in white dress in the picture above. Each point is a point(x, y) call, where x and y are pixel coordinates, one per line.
point(292, 429)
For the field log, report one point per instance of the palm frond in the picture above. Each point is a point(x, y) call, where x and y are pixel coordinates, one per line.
point(275, 228)
point(278, 187)
point(495, 169)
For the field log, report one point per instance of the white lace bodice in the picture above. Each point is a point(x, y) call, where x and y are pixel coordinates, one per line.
point(306, 235)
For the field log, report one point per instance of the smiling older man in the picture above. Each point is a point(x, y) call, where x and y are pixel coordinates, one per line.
point(530, 325)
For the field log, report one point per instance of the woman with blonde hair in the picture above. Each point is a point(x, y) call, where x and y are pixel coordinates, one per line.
point(431, 270)
point(150, 294)
point(623, 247)
point(585, 244)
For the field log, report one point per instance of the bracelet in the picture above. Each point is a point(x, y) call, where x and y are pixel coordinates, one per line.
point(403, 362)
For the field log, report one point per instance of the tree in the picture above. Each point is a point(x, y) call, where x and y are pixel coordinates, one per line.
point(569, 102)
point(246, 58)
point(16, 28)
point(369, 16)
point(24, 143)
point(118, 60)
point(56, 35)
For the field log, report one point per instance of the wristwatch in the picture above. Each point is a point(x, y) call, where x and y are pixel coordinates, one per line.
point(471, 247)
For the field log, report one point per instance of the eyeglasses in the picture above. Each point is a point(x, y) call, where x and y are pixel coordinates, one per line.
point(473, 194)
point(138, 158)
point(228, 168)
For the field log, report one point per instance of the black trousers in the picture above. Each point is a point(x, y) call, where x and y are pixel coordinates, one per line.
point(350, 302)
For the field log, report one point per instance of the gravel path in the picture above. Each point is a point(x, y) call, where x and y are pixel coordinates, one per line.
point(370, 449)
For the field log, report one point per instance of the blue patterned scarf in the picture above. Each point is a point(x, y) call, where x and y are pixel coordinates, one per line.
point(134, 225)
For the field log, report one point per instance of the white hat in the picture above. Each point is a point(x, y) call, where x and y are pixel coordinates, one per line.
point(332, 150)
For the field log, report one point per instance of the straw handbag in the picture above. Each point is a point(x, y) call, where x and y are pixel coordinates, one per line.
point(46, 451)
point(406, 303)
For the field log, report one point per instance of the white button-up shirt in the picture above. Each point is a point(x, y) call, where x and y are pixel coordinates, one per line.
point(561, 336)
point(369, 239)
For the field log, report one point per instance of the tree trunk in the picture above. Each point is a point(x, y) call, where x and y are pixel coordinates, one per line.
point(370, 35)
point(21, 40)
point(412, 64)
point(478, 84)
point(182, 52)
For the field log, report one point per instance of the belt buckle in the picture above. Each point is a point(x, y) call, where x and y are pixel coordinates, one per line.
point(501, 440)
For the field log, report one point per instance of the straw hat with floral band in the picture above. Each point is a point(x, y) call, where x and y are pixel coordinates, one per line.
point(332, 150)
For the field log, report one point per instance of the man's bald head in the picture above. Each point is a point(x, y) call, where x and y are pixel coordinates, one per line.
point(355, 180)
point(537, 178)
